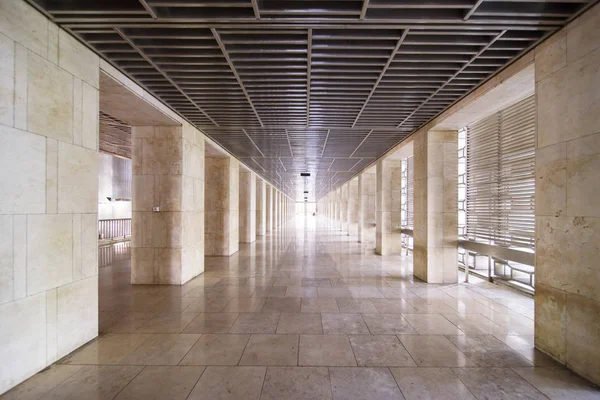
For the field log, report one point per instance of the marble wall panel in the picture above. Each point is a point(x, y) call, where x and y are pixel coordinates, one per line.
point(435, 231)
point(387, 232)
point(22, 172)
point(247, 206)
point(567, 189)
point(261, 207)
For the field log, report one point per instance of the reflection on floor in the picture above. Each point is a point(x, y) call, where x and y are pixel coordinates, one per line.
point(307, 313)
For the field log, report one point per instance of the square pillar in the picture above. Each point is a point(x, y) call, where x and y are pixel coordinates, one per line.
point(436, 206)
point(388, 208)
point(269, 207)
point(168, 205)
point(221, 236)
point(366, 207)
point(247, 205)
point(261, 207)
point(275, 208)
point(344, 207)
point(567, 187)
point(353, 207)
point(338, 207)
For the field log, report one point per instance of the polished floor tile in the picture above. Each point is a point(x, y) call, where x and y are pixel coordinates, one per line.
point(311, 305)
point(243, 304)
point(216, 349)
point(380, 351)
point(559, 383)
point(431, 384)
point(356, 306)
point(307, 313)
point(364, 383)
point(211, 323)
point(94, 382)
point(35, 387)
point(297, 383)
point(271, 350)
point(229, 383)
point(299, 323)
point(256, 323)
point(434, 351)
point(487, 351)
point(344, 324)
point(161, 382)
point(497, 384)
point(432, 324)
point(326, 350)
point(388, 324)
point(109, 349)
point(167, 323)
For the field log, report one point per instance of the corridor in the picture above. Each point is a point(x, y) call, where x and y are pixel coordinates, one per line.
point(306, 312)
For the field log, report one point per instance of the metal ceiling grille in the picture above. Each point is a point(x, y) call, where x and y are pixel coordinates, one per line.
point(501, 177)
point(335, 80)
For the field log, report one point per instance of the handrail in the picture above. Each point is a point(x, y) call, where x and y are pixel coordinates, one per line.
point(505, 253)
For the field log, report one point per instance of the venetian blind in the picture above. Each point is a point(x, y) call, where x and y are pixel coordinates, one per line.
point(501, 177)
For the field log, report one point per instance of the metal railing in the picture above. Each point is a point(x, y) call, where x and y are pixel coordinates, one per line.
point(112, 229)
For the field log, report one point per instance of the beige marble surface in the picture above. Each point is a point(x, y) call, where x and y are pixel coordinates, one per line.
point(247, 206)
point(261, 207)
point(221, 226)
point(387, 207)
point(567, 188)
point(435, 206)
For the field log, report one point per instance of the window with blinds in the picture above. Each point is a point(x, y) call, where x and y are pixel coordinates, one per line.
point(500, 177)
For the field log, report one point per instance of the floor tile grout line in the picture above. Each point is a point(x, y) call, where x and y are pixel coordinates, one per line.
point(196, 384)
point(129, 383)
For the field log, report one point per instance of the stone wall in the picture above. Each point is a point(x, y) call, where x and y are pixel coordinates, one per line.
point(567, 306)
point(388, 207)
point(247, 206)
point(435, 252)
point(221, 236)
point(367, 217)
point(261, 205)
point(49, 185)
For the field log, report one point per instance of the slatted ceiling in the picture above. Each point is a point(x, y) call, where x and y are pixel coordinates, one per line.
point(362, 162)
point(377, 140)
point(344, 164)
point(310, 68)
point(343, 142)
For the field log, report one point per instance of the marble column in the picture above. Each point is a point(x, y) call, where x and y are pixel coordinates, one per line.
point(275, 208)
point(353, 207)
point(261, 207)
point(168, 205)
point(344, 207)
point(221, 235)
point(338, 208)
point(247, 206)
point(387, 230)
point(269, 207)
point(366, 208)
point(436, 206)
point(567, 160)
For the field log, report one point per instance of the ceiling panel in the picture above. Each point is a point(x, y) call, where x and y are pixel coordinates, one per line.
point(294, 86)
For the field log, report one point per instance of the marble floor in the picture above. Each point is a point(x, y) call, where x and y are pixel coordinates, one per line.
point(306, 313)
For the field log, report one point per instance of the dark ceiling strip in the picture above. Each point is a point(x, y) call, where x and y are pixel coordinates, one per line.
point(235, 72)
point(141, 53)
point(385, 68)
point(452, 77)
